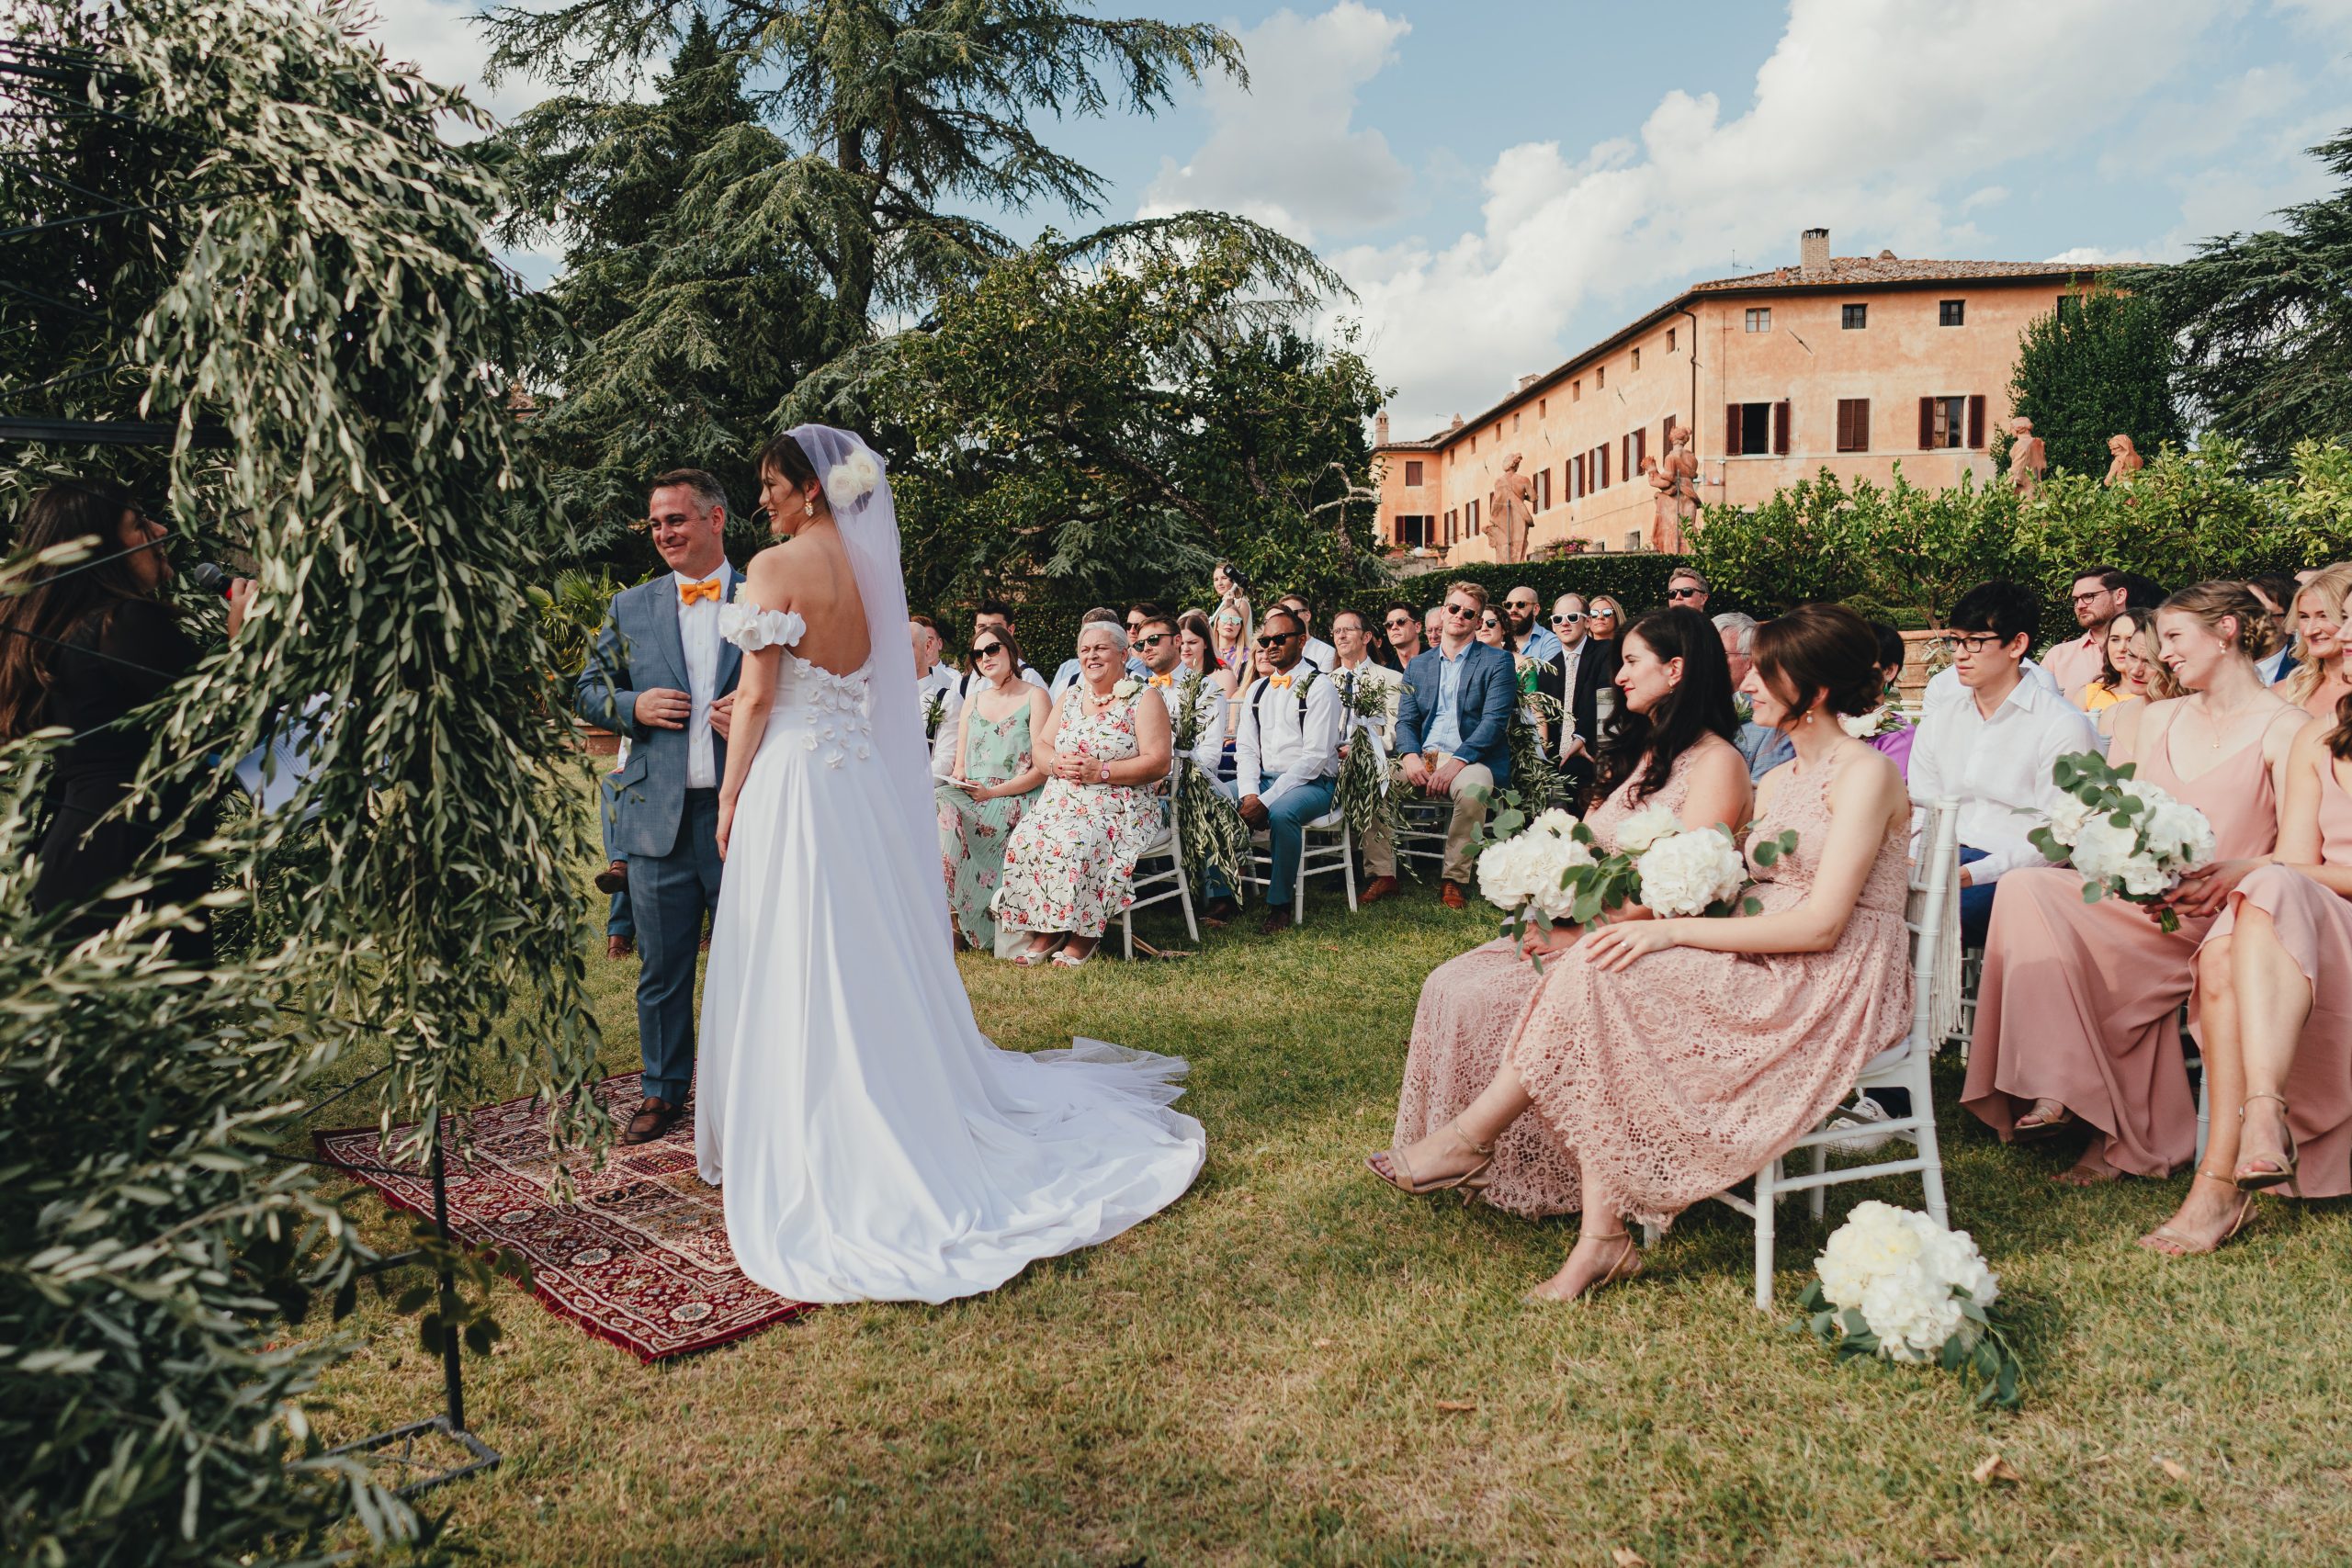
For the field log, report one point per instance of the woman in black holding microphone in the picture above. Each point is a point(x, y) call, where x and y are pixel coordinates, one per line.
point(83, 645)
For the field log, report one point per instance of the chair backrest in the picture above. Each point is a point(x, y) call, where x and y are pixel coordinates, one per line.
point(1932, 915)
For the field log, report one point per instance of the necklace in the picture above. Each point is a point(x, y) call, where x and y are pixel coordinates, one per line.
point(2214, 722)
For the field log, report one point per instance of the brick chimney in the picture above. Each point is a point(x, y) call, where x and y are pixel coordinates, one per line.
point(1380, 429)
point(1813, 251)
point(1529, 380)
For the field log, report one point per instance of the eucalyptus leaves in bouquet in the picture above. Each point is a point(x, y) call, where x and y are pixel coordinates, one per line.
point(1534, 773)
point(2129, 840)
point(1893, 1285)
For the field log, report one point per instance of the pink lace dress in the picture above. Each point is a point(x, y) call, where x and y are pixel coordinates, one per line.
point(1470, 1008)
point(1681, 1075)
point(2315, 925)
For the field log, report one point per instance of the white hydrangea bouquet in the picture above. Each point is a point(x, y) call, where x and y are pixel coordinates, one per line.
point(2129, 840)
point(1674, 871)
point(1893, 1285)
point(1534, 871)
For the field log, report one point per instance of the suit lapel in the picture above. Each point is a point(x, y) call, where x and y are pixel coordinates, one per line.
point(663, 591)
point(731, 658)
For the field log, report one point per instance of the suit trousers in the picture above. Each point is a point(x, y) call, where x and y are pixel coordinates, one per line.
point(1471, 790)
point(670, 897)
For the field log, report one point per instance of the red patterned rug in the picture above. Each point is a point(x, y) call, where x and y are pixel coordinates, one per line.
point(641, 1257)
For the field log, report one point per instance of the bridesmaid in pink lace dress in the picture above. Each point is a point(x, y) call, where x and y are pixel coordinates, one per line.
point(2076, 1015)
point(2274, 983)
point(1675, 726)
point(1674, 1058)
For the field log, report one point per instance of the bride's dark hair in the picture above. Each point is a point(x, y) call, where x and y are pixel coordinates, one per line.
point(1648, 744)
point(783, 454)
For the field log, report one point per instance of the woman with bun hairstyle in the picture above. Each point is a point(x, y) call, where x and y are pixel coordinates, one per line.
point(1672, 1057)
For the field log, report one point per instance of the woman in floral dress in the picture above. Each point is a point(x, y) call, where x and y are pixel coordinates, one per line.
point(996, 780)
point(1069, 867)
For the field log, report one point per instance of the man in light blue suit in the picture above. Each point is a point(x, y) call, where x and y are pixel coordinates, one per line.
point(661, 674)
point(1454, 726)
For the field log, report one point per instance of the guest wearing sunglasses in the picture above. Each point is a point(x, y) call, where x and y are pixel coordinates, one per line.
point(1603, 619)
point(1574, 680)
point(1686, 590)
point(1453, 728)
point(1159, 644)
point(993, 783)
point(1286, 761)
point(1402, 625)
point(1522, 613)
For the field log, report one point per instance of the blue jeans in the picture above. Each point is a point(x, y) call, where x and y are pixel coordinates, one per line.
point(1976, 904)
point(1286, 828)
point(671, 896)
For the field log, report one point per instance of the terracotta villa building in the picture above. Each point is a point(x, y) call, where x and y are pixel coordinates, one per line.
point(1848, 362)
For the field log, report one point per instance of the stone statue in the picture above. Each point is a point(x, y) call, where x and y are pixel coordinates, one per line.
point(1510, 511)
point(1665, 521)
point(2128, 461)
point(1680, 469)
point(2027, 461)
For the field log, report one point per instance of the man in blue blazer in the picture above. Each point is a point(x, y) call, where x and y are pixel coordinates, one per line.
point(661, 674)
point(1453, 727)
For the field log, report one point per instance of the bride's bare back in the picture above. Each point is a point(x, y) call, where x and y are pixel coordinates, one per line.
point(809, 574)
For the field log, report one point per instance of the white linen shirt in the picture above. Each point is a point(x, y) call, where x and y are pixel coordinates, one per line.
point(698, 636)
point(1320, 654)
point(1392, 682)
point(1293, 753)
point(1944, 685)
point(1998, 769)
point(944, 682)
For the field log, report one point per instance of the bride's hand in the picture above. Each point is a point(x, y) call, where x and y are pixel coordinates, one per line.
point(1614, 947)
point(726, 822)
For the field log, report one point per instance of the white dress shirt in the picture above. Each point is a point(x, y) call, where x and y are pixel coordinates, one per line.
point(1273, 753)
point(1568, 660)
point(1944, 685)
point(1320, 654)
point(945, 683)
point(1208, 748)
point(698, 636)
point(1392, 682)
point(2269, 665)
point(1998, 769)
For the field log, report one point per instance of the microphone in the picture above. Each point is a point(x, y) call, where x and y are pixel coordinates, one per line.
point(210, 576)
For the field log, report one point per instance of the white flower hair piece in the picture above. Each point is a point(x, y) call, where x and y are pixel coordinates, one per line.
point(851, 479)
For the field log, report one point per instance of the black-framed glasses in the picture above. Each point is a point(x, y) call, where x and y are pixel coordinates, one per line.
point(1684, 592)
point(1154, 640)
point(1571, 619)
point(983, 651)
point(1397, 621)
point(1974, 643)
point(1462, 610)
point(1275, 640)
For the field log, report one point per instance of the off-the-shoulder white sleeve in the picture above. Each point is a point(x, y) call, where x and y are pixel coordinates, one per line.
point(752, 628)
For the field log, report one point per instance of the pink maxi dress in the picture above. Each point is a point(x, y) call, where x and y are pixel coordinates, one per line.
point(2314, 926)
point(2080, 1002)
point(1682, 1075)
point(1471, 1007)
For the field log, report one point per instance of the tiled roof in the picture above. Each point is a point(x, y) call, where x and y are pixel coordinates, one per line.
point(1847, 271)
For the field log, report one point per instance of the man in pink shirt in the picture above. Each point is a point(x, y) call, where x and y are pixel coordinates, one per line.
point(2099, 592)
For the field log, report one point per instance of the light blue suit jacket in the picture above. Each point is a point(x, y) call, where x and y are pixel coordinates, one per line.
point(637, 649)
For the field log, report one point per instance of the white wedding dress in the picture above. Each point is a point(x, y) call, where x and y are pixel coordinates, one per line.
point(870, 1142)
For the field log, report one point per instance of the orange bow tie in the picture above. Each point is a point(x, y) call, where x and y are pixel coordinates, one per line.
point(1163, 681)
point(1279, 683)
point(696, 593)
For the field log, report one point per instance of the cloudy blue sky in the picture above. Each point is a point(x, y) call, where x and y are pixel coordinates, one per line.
point(1503, 184)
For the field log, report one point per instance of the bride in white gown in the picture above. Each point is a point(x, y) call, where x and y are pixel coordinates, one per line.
point(871, 1143)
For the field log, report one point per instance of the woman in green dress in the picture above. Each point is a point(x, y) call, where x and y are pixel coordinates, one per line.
point(994, 783)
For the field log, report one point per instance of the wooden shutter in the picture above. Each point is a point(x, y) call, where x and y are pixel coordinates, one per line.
point(1731, 430)
point(1780, 427)
point(1665, 429)
point(1976, 421)
point(1603, 450)
point(1626, 453)
point(1641, 450)
point(1927, 424)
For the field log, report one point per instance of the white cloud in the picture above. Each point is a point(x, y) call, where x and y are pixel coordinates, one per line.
point(1285, 149)
point(1875, 117)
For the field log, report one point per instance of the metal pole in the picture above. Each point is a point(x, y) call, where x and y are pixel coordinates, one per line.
point(452, 1372)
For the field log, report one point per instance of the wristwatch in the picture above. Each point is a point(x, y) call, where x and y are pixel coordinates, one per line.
point(1106, 773)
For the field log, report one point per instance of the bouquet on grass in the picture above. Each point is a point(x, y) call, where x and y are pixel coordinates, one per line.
point(2129, 840)
point(1893, 1285)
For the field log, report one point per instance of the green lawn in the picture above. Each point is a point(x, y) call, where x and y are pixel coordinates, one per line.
point(1255, 1376)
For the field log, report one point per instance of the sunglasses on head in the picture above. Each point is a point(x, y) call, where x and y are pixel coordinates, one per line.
point(982, 650)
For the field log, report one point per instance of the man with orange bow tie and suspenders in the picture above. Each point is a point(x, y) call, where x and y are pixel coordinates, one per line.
point(1286, 761)
point(661, 674)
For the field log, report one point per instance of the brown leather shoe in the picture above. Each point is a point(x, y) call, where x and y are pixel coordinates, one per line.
point(654, 1118)
point(614, 877)
point(1277, 920)
point(1220, 912)
point(619, 946)
point(1381, 887)
point(1450, 895)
